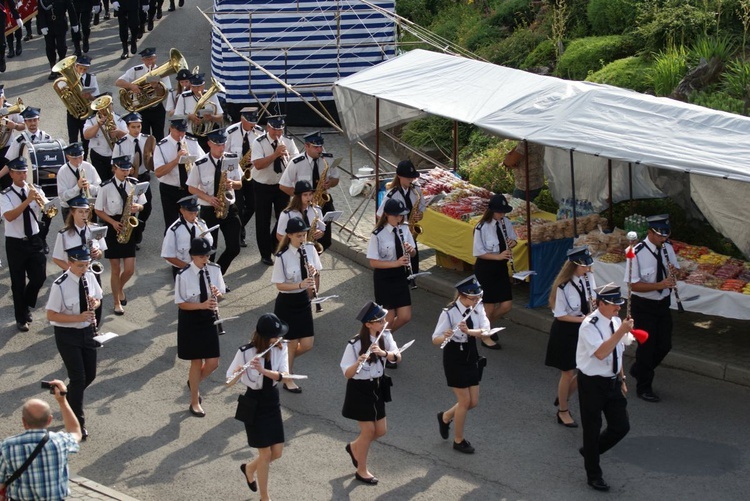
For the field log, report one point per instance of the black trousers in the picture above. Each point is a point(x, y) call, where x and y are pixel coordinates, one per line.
point(146, 212)
point(102, 164)
point(655, 318)
point(245, 203)
point(25, 260)
point(325, 240)
point(601, 395)
point(75, 130)
point(128, 23)
point(153, 121)
point(230, 228)
point(83, 10)
point(268, 197)
point(55, 45)
point(169, 197)
point(78, 351)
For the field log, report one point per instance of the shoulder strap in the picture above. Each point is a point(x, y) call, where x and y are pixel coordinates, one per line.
point(29, 459)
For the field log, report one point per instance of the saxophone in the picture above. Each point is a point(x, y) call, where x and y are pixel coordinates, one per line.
point(321, 196)
point(247, 171)
point(223, 209)
point(127, 220)
point(414, 227)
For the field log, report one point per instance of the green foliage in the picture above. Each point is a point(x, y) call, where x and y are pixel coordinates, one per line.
point(737, 79)
point(630, 73)
point(482, 34)
point(512, 51)
point(718, 100)
point(478, 142)
point(590, 54)
point(422, 12)
point(542, 55)
point(546, 202)
point(512, 13)
point(435, 133)
point(486, 170)
point(611, 17)
point(669, 68)
point(661, 23)
point(706, 47)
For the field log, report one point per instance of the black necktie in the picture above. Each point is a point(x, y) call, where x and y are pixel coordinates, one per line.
point(316, 173)
point(500, 236)
point(75, 172)
point(615, 368)
point(123, 193)
point(397, 241)
point(217, 178)
point(137, 155)
point(407, 198)
point(33, 138)
point(584, 304)
point(305, 218)
point(277, 162)
point(83, 236)
point(82, 296)
point(245, 144)
point(192, 232)
point(660, 271)
point(469, 321)
point(27, 230)
point(302, 267)
point(181, 168)
point(204, 289)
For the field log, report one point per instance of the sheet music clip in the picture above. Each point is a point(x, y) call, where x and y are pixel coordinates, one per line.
point(322, 299)
point(415, 275)
point(523, 275)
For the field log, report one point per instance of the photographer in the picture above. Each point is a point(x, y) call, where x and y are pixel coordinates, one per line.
point(46, 477)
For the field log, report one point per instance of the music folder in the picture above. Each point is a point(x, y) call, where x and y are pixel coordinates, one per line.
point(231, 162)
point(140, 189)
point(332, 216)
point(187, 159)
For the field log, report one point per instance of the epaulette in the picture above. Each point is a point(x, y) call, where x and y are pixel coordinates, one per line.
point(298, 158)
point(108, 181)
point(479, 226)
point(377, 230)
point(130, 180)
point(562, 286)
point(391, 192)
point(176, 225)
point(354, 340)
point(201, 161)
point(639, 247)
point(594, 319)
point(162, 141)
point(61, 279)
point(245, 347)
point(138, 67)
point(187, 93)
point(213, 264)
point(287, 211)
point(122, 139)
point(191, 137)
point(262, 137)
point(258, 128)
point(6, 190)
point(183, 269)
point(232, 128)
point(21, 139)
point(282, 250)
point(62, 230)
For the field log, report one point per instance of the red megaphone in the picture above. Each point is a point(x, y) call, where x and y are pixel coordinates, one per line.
point(640, 335)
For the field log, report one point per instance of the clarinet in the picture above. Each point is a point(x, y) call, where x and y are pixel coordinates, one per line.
point(89, 305)
point(680, 308)
point(592, 301)
point(408, 269)
point(310, 273)
point(507, 246)
point(217, 320)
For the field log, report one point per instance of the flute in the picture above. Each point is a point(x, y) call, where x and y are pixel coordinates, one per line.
point(507, 246)
point(455, 329)
point(236, 375)
point(217, 320)
point(368, 352)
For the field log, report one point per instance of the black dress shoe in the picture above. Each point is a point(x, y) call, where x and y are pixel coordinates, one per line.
point(171, 8)
point(106, 15)
point(348, 449)
point(96, 19)
point(292, 390)
point(29, 317)
point(556, 402)
point(85, 45)
point(19, 50)
point(51, 76)
point(649, 396)
point(28, 37)
point(318, 308)
point(150, 25)
point(391, 365)
point(253, 485)
point(46, 248)
point(182, 3)
point(196, 413)
point(599, 484)
point(11, 54)
point(84, 434)
point(134, 47)
point(443, 426)
point(2, 64)
point(243, 243)
point(495, 346)
point(567, 425)
point(371, 480)
point(266, 261)
point(464, 446)
point(158, 13)
point(124, 55)
point(124, 301)
point(22, 326)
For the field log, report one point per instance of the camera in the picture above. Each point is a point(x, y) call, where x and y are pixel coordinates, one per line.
point(46, 385)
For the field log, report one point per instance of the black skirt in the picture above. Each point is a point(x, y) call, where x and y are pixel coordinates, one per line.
point(460, 364)
point(493, 277)
point(267, 428)
point(295, 310)
point(364, 400)
point(391, 288)
point(117, 250)
point(197, 336)
point(562, 345)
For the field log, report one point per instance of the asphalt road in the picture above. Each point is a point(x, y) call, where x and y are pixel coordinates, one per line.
point(144, 442)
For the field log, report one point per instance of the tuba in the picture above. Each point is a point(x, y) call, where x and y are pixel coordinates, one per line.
point(71, 93)
point(128, 221)
point(203, 128)
point(5, 131)
point(100, 104)
point(152, 93)
point(414, 227)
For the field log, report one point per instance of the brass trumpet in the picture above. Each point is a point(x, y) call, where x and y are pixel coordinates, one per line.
point(5, 131)
point(42, 202)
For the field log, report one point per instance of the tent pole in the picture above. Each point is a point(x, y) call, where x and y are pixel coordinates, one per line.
point(528, 202)
point(573, 188)
point(609, 195)
point(377, 154)
point(630, 184)
point(455, 145)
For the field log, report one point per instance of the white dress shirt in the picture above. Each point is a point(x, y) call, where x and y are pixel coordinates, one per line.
point(398, 194)
point(201, 176)
point(109, 199)
point(187, 286)
point(64, 297)
point(187, 101)
point(568, 299)
point(166, 151)
point(300, 168)
point(382, 244)
point(645, 267)
point(286, 267)
point(313, 211)
point(252, 378)
point(99, 143)
point(263, 147)
point(595, 329)
point(177, 239)
point(126, 147)
point(485, 236)
point(10, 198)
point(67, 239)
point(450, 317)
point(370, 370)
point(67, 182)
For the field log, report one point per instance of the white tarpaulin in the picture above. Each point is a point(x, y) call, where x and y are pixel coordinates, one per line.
point(601, 120)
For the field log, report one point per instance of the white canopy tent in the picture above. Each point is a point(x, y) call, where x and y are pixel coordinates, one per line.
point(589, 118)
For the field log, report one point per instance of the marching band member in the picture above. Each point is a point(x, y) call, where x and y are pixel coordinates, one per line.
point(240, 138)
point(180, 234)
point(260, 406)
point(90, 88)
point(8, 123)
point(301, 206)
point(369, 390)
point(172, 174)
point(571, 298)
point(601, 381)
point(309, 166)
point(70, 183)
point(153, 116)
point(135, 145)
point(197, 289)
point(461, 361)
point(293, 280)
point(84, 9)
point(186, 105)
point(77, 232)
point(403, 188)
point(183, 85)
point(271, 152)
point(10, 17)
point(391, 246)
point(23, 243)
point(53, 25)
point(494, 238)
point(653, 280)
point(70, 309)
point(109, 206)
point(128, 14)
point(203, 181)
point(97, 134)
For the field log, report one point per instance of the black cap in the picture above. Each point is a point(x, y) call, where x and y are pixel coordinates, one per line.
point(315, 138)
point(218, 136)
point(469, 286)
point(184, 74)
point(580, 256)
point(406, 169)
point(498, 203)
point(249, 113)
point(660, 224)
point(79, 253)
point(198, 79)
point(79, 202)
point(269, 325)
point(17, 164)
point(370, 312)
point(178, 122)
point(395, 207)
point(148, 52)
point(200, 247)
point(189, 203)
point(132, 117)
point(303, 186)
point(296, 225)
point(276, 121)
point(122, 162)
point(83, 60)
point(74, 150)
point(609, 293)
point(30, 113)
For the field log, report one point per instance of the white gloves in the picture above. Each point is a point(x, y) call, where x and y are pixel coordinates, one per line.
point(75, 29)
point(97, 9)
point(19, 22)
point(145, 8)
point(45, 31)
point(115, 5)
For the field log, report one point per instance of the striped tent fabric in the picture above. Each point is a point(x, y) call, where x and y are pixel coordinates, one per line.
point(309, 44)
